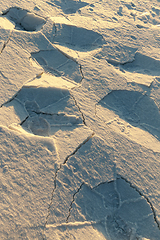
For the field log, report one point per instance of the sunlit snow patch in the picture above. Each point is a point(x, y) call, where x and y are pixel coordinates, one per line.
point(116, 209)
point(6, 24)
point(24, 20)
point(5, 31)
point(133, 114)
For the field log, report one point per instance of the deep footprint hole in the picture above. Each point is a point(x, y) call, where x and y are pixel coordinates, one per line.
point(24, 20)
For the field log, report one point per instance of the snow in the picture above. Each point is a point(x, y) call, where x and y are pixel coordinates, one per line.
point(80, 120)
point(25, 20)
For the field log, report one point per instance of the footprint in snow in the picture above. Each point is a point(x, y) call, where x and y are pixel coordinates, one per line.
point(137, 109)
point(56, 63)
point(24, 20)
point(123, 213)
point(46, 110)
point(77, 37)
point(143, 64)
point(40, 123)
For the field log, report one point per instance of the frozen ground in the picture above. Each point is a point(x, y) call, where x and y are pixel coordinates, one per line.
point(80, 119)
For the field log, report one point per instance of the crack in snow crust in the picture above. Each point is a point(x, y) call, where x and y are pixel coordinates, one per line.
point(114, 197)
point(67, 35)
point(57, 173)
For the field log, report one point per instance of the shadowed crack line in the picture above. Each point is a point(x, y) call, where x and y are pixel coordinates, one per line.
point(55, 178)
point(55, 71)
point(84, 142)
point(67, 224)
point(63, 53)
point(24, 121)
point(70, 208)
point(80, 66)
point(15, 95)
point(51, 201)
point(149, 202)
point(73, 201)
point(83, 118)
point(5, 43)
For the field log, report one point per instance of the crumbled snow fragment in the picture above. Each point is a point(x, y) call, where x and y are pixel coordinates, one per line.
point(31, 22)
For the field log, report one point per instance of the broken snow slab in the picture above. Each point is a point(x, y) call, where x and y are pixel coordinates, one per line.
point(44, 55)
point(27, 178)
point(134, 162)
point(2, 43)
point(31, 41)
point(143, 69)
point(47, 80)
point(140, 166)
point(100, 77)
point(48, 94)
point(48, 110)
point(92, 163)
point(134, 115)
point(15, 70)
point(116, 54)
point(57, 63)
point(155, 91)
point(114, 208)
point(24, 20)
point(49, 29)
point(143, 64)
point(133, 65)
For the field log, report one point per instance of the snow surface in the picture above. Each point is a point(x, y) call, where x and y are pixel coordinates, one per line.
point(80, 119)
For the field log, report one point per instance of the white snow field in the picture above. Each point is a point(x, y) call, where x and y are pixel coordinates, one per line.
point(80, 120)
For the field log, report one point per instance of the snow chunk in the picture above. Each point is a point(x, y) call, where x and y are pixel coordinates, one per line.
point(31, 22)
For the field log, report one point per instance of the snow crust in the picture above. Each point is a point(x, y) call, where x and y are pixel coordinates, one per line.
point(80, 120)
